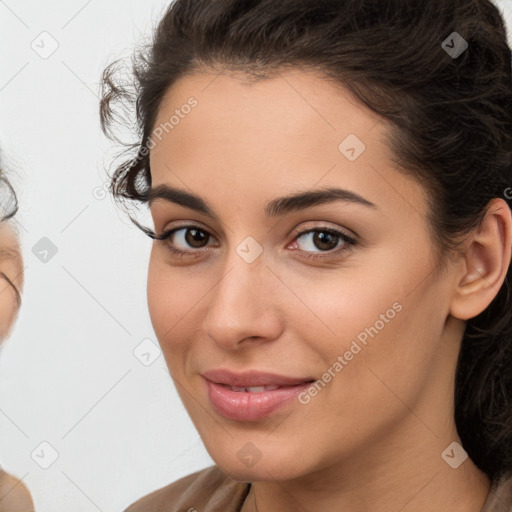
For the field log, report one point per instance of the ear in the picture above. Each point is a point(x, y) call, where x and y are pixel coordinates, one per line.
point(485, 262)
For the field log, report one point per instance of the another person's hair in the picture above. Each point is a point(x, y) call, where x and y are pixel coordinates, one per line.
point(450, 127)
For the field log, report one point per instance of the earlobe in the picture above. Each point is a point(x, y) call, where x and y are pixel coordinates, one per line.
point(486, 262)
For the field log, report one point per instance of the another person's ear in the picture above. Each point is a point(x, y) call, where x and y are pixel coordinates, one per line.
point(485, 263)
point(11, 278)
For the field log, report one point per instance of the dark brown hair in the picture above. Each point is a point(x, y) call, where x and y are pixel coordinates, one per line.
point(450, 128)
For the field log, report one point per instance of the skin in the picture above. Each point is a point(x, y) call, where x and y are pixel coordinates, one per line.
point(372, 438)
point(11, 264)
point(14, 496)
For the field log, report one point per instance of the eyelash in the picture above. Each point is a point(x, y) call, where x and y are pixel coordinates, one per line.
point(349, 242)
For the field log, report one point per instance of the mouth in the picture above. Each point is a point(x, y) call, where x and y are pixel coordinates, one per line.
point(253, 380)
point(251, 396)
point(251, 389)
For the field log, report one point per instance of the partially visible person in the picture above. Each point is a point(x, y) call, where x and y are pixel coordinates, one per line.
point(14, 496)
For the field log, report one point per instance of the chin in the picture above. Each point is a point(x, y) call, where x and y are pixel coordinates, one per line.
point(269, 467)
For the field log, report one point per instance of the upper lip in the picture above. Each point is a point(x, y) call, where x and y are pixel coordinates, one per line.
point(251, 378)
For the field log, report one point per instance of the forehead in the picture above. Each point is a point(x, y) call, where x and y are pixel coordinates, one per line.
point(290, 107)
point(293, 130)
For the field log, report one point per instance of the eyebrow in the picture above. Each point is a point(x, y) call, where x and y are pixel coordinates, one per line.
point(274, 208)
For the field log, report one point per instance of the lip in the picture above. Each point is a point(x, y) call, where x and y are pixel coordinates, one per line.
point(251, 406)
point(252, 378)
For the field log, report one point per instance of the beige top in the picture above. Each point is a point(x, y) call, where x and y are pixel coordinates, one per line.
point(209, 490)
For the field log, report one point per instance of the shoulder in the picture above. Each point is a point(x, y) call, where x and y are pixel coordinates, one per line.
point(208, 490)
point(14, 496)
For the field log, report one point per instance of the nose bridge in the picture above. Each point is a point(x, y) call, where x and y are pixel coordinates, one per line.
point(240, 306)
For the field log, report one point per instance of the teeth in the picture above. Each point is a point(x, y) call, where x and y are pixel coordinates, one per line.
point(254, 389)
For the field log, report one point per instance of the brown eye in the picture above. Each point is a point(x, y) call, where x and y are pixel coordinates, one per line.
point(315, 242)
point(195, 237)
point(185, 240)
point(325, 240)
point(321, 239)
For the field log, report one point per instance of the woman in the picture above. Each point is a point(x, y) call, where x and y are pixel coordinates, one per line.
point(331, 269)
point(14, 496)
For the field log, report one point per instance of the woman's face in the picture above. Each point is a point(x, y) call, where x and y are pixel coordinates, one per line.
point(365, 321)
point(11, 265)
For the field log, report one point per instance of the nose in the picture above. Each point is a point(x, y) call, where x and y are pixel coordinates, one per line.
point(243, 311)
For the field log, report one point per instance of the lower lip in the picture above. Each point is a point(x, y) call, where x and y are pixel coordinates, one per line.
point(244, 406)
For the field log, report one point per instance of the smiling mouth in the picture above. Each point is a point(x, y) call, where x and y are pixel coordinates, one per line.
point(252, 403)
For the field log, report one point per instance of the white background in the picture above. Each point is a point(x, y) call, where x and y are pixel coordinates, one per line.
point(68, 375)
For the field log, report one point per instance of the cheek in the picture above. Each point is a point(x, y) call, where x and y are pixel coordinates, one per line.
point(388, 372)
point(174, 300)
point(167, 298)
point(331, 309)
point(381, 315)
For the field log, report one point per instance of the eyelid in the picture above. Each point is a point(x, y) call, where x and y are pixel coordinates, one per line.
point(164, 234)
point(324, 225)
point(167, 233)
